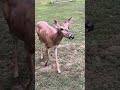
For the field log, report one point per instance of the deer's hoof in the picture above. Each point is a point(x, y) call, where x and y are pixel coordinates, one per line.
point(41, 57)
point(45, 64)
point(59, 71)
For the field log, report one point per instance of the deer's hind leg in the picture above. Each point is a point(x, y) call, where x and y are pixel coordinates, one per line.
point(15, 58)
point(41, 53)
point(41, 50)
point(48, 55)
point(15, 44)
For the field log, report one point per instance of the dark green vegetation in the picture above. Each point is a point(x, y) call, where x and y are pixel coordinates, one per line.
point(103, 45)
point(70, 52)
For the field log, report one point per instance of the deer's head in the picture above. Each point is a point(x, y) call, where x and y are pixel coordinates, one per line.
point(64, 28)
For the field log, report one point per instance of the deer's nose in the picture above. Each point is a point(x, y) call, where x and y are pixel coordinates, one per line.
point(71, 37)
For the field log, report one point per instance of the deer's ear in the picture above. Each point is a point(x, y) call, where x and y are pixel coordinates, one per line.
point(56, 24)
point(69, 20)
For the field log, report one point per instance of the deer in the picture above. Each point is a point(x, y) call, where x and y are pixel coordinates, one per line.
point(52, 36)
point(20, 17)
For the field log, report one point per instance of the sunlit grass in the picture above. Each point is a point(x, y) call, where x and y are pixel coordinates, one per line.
point(70, 52)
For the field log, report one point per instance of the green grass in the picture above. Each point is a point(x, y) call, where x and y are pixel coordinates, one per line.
point(62, 11)
point(105, 17)
point(70, 52)
point(103, 45)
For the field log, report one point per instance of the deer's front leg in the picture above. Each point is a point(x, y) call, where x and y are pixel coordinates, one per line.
point(47, 51)
point(31, 70)
point(15, 42)
point(41, 54)
point(57, 63)
point(15, 62)
point(41, 51)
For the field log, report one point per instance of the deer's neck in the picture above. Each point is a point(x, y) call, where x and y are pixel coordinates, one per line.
point(57, 38)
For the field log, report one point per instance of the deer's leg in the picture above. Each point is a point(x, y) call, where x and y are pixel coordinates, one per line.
point(57, 63)
point(15, 42)
point(47, 51)
point(41, 53)
point(31, 69)
point(15, 62)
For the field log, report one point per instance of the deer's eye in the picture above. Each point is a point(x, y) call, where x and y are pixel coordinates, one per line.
point(61, 28)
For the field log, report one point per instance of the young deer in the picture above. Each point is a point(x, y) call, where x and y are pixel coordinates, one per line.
point(52, 36)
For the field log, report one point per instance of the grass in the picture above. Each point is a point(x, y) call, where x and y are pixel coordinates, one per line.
point(103, 45)
point(7, 59)
point(70, 53)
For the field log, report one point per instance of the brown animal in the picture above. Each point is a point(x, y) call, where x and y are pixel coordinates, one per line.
point(52, 36)
point(20, 17)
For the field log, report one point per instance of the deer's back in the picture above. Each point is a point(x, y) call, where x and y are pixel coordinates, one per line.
point(46, 33)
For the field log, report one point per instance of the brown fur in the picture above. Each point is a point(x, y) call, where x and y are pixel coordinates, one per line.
point(48, 35)
point(52, 36)
point(20, 17)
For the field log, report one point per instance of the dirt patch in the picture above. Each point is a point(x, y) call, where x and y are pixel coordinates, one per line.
point(102, 63)
point(71, 59)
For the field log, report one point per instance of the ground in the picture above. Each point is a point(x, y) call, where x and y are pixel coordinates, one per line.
point(71, 53)
point(103, 45)
point(7, 59)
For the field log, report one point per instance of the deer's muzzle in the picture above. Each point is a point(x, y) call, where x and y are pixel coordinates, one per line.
point(71, 37)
